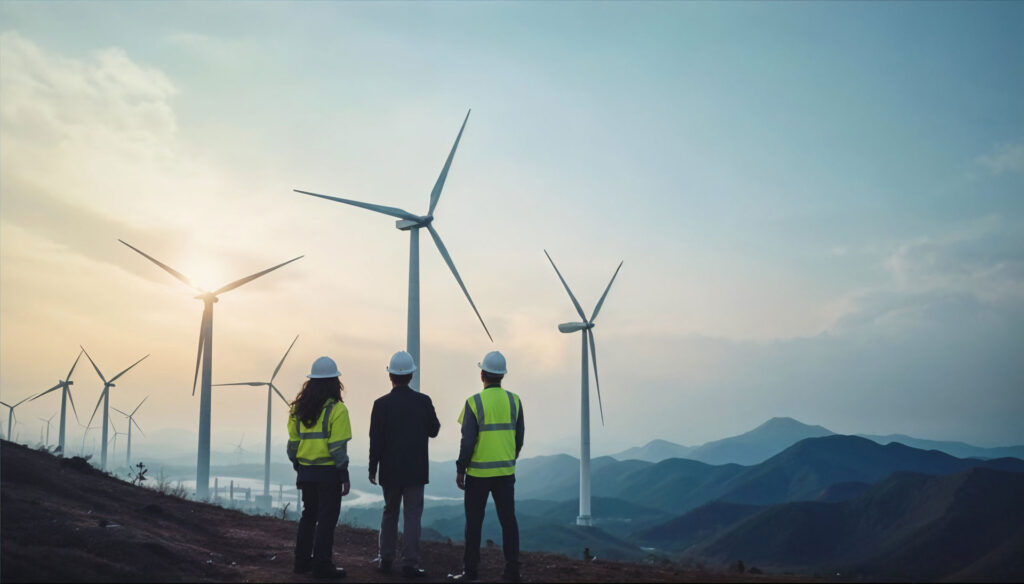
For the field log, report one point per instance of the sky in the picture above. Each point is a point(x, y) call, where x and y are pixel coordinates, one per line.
point(819, 207)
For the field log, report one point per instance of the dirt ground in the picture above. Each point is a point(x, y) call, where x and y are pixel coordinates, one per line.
point(63, 520)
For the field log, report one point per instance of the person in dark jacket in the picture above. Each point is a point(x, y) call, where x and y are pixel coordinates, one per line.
point(401, 424)
point(318, 435)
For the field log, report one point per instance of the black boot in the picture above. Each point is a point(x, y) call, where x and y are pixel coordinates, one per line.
point(328, 572)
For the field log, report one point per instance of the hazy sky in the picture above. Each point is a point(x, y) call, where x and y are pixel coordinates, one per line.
point(820, 207)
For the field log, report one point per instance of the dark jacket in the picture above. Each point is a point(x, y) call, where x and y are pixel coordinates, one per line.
point(400, 425)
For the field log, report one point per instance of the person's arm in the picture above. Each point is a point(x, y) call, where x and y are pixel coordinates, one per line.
point(337, 442)
point(470, 430)
point(376, 439)
point(433, 424)
point(520, 430)
point(293, 440)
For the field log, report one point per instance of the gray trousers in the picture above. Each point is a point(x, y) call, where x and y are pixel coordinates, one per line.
point(411, 500)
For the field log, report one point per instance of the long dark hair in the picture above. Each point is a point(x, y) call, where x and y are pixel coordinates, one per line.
point(314, 393)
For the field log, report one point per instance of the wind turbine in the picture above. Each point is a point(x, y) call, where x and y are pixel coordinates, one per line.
point(65, 387)
point(105, 400)
point(85, 435)
point(131, 421)
point(114, 440)
point(271, 390)
point(413, 223)
point(586, 327)
point(205, 355)
point(239, 451)
point(11, 418)
point(47, 420)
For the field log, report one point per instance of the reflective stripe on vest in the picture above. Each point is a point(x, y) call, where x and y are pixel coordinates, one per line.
point(495, 450)
point(312, 447)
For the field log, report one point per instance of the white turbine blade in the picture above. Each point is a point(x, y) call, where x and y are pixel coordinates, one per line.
point(247, 279)
point(249, 383)
point(72, 400)
point(68, 378)
point(601, 301)
point(137, 425)
point(182, 277)
point(571, 296)
point(104, 379)
point(278, 368)
point(3, 403)
point(571, 327)
point(129, 369)
point(21, 402)
point(119, 411)
point(199, 354)
point(436, 193)
point(393, 211)
point(451, 266)
point(597, 382)
point(274, 387)
point(139, 406)
point(98, 402)
point(55, 387)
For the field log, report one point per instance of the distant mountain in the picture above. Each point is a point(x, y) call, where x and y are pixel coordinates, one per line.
point(654, 451)
point(759, 444)
point(957, 449)
point(910, 526)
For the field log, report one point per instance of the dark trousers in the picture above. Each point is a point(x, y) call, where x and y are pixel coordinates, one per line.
point(410, 499)
point(502, 489)
point(321, 506)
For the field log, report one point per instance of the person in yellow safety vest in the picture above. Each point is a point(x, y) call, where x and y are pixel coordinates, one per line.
point(318, 435)
point(492, 436)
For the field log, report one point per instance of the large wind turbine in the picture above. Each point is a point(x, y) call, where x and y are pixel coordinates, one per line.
point(65, 387)
point(10, 415)
point(413, 223)
point(586, 327)
point(105, 400)
point(205, 355)
point(131, 421)
point(271, 390)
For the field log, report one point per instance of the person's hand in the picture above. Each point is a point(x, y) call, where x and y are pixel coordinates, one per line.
point(460, 480)
point(345, 486)
point(373, 478)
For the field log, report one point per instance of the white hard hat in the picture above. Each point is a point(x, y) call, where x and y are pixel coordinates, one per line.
point(494, 362)
point(401, 363)
point(322, 368)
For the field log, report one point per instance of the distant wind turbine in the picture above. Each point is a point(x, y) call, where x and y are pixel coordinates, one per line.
point(271, 390)
point(11, 418)
point(105, 400)
point(413, 223)
point(65, 387)
point(588, 338)
point(47, 421)
point(205, 355)
point(239, 451)
point(131, 422)
point(85, 434)
point(114, 440)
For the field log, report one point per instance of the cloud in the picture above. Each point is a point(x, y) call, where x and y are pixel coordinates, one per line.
point(1004, 158)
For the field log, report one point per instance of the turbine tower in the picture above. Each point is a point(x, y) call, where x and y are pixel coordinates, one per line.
point(114, 439)
point(205, 355)
point(271, 390)
point(11, 418)
point(105, 400)
point(65, 387)
point(131, 421)
point(47, 421)
point(586, 327)
point(413, 223)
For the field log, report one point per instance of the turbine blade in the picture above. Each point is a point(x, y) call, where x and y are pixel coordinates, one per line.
point(98, 402)
point(393, 211)
point(451, 266)
point(68, 378)
point(73, 408)
point(601, 301)
point(249, 383)
point(184, 279)
point(139, 406)
point(104, 379)
point(127, 370)
point(199, 355)
point(137, 425)
point(436, 193)
point(597, 382)
point(274, 387)
point(247, 279)
point(571, 297)
point(119, 411)
point(283, 358)
point(55, 387)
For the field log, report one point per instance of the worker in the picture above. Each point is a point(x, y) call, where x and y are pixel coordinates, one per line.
point(401, 425)
point(318, 435)
point(492, 436)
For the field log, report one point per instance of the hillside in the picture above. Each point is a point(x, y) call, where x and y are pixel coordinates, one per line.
point(63, 520)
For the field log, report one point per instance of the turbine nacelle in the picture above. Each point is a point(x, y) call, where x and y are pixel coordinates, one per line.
point(407, 224)
point(207, 296)
point(572, 327)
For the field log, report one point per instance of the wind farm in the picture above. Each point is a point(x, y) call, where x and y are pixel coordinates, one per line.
point(104, 400)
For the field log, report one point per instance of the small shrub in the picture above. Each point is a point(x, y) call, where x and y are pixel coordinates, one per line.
point(138, 476)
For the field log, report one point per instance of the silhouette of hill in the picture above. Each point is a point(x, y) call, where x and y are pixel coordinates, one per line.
point(957, 449)
point(63, 520)
point(654, 451)
point(910, 526)
point(759, 444)
point(701, 524)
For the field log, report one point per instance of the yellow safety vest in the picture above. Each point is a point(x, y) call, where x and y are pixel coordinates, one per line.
point(314, 444)
point(496, 411)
